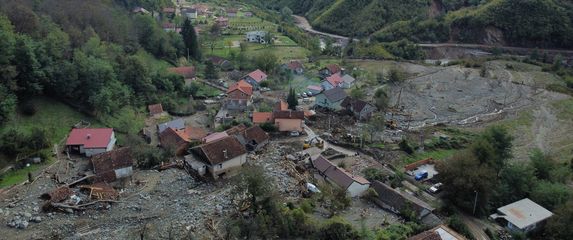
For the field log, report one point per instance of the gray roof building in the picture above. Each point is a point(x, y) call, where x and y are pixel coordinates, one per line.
point(176, 124)
point(523, 215)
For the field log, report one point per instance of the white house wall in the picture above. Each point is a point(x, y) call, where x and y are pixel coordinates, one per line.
point(227, 165)
point(356, 189)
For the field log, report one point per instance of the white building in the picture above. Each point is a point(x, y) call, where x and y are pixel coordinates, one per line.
point(522, 216)
point(91, 141)
point(256, 37)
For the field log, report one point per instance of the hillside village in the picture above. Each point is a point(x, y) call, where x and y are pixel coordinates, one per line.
point(262, 139)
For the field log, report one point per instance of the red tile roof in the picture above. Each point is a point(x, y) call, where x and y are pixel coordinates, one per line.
point(236, 129)
point(214, 137)
point(315, 87)
point(334, 80)
point(242, 86)
point(262, 117)
point(281, 106)
point(294, 65)
point(255, 133)
point(258, 75)
point(186, 72)
point(105, 164)
point(333, 68)
point(155, 109)
point(220, 151)
point(90, 137)
point(288, 115)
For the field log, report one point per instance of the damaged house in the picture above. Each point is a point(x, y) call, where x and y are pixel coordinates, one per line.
point(362, 110)
point(217, 158)
point(400, 202)
point(354, 185)
point(253, 138)
point(113, 165)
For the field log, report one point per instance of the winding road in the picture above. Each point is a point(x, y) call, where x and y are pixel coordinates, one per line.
point(303, 23)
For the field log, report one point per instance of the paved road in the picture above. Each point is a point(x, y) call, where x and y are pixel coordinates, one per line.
point(303, 23)
point(475, 226)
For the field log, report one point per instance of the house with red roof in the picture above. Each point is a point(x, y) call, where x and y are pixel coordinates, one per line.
point(90, 141)
point(314, 89)
point(179, 139)
point(295, 67)
point(354, 185)
point(186, 72)
point(222, 22)
point(262, 117)
point(255, 78)
point(332, 81)
point(329, 70)
point(239, 96)
point(156, 110)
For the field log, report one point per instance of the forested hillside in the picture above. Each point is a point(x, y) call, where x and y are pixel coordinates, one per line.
point(539, 23)
point(95, 55)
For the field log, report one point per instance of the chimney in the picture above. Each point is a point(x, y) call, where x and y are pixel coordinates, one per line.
point(225, 153)
point(89, 136)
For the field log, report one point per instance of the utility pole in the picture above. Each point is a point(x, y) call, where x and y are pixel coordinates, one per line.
point(475, 202)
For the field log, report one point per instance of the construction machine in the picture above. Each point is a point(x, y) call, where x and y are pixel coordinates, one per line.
point(308, 143)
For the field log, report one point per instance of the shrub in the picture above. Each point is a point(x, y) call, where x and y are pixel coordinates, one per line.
point(29, 109)
point(373, 174)
point(456, 224)
point(405, 146)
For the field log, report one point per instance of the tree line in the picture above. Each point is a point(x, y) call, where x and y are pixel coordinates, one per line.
point(93, 56)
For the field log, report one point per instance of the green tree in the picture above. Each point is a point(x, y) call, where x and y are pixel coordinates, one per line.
point(543, 164)
point(210, 71)
point(29, 75)
point(550, 195)
point(8, 103)
point(396, 75)
point(266, 61)
point(338, 229)
point(516, 183)
point(461, 186)
point(191, 40)
point(292, 99)
point(357, 93)
point(381, 99)
point(136, 75)
point(559, 226)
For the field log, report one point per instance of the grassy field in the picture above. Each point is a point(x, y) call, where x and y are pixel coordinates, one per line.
point(436, 155)
point(283, 52)
point(21, 175)
point(55, 117)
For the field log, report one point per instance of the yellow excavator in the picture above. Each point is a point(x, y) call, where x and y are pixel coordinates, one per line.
point(309, 143)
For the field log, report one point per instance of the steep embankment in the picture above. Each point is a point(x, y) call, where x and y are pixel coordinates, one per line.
point(528, 23)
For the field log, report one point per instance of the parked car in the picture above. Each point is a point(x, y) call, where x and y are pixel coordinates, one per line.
point(294, 134)
point(436, 188)
point(421, 175)
point(309, 94)
point(303, 94)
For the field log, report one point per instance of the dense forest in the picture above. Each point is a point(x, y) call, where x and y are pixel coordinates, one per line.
point(94, 55)
point(540, 23)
